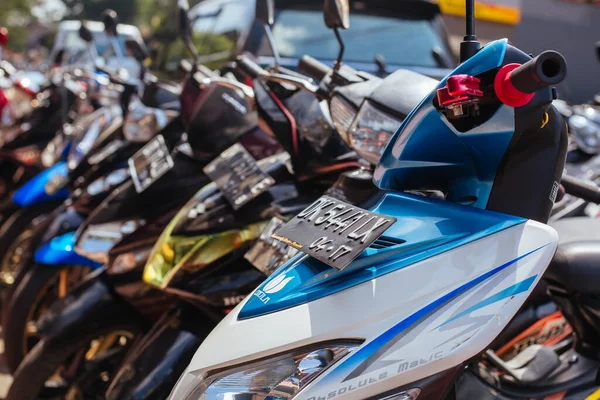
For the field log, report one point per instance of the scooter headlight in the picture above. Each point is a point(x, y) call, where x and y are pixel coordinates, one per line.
point(342, 115)
point(371, 131)
point(279, 378)
point(585, 133)
point(96, 240)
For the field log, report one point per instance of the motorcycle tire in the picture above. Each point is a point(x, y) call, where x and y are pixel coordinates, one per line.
point(11, 229)
point(14, 263)
point(17, 312)
point(47, 357)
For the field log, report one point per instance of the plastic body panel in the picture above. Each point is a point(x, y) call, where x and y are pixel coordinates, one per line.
point(416, 321)
point(61, 251)
point(33, 192)
point(424, 234)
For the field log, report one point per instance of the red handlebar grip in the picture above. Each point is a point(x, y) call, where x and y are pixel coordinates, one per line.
point(506, 92)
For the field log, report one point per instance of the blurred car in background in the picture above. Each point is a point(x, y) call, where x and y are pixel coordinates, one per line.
point(385, 35)
point(76, 50)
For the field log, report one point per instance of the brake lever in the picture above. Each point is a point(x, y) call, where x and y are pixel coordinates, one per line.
point(231, 84)
point(292, 80)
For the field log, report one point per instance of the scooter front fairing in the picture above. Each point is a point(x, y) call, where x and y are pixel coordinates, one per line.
point(405, 317)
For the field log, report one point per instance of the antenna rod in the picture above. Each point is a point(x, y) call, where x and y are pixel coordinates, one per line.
point(470, 45)
point(470, 17)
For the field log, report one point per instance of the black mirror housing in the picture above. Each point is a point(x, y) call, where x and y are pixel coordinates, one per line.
point(598, 50)
point(110, 20)
point(59, 57)
point(265, 12)
point(184, 26)
point(136, 49)
point(85, 34)
point(337, 14)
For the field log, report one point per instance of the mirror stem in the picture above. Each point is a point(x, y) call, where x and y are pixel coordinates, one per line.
point(271, 41)
point(338, 62)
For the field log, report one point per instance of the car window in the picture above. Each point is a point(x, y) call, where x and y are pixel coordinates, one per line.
point(401, 41)
point(74, 44)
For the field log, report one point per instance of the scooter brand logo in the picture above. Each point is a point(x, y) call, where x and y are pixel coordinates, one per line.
point(237, 106)
point(277, 284)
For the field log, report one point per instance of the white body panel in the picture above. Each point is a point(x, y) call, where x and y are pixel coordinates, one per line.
point(437, 340)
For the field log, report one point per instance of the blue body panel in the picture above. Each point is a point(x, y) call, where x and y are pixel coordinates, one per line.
point(370, 349)
point(427, 152)
point(34, 192)
point(428, 227)
point(61, 251)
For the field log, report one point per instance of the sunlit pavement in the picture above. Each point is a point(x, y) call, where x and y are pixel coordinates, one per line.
point(5, 378)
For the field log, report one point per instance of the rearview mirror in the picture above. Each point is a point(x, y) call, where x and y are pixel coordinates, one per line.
point(85, 34)
point(110, 20)
point(185, 27)
point(598, 50)
point(136, 49)
point(265, 12)
point(337, 14)
point(185, 30)
point(58, 57)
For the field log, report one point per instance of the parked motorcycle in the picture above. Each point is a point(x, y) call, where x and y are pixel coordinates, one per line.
point(411, 320)
point(211, 124)
point(93, 169)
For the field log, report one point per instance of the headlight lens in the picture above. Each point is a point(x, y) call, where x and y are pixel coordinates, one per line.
point(585, 133)
point(97, 240)
point(142, 122)
point(342, 115)
point(280, 378)
point(371, 131)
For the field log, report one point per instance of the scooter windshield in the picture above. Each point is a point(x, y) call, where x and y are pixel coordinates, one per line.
point(88, 130)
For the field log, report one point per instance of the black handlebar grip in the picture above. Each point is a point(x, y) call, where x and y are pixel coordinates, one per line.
point(587, 191)
point(313, 67)
point(547, 69)
point(249, 67)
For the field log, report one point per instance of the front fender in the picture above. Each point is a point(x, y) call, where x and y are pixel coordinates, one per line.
point(67, 220)
point(61, 251)
point(34, 191)
point(89, 307)
point(156, 362)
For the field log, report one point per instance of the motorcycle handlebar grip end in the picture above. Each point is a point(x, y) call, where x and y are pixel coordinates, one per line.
point(515, 85)
point(587, 191)
point(313, 67)
point(249, 67)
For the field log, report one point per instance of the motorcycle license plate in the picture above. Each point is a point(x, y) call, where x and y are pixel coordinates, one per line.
point(333, 231)
point(55, 184)
point(238, 176)
point(150, 163)
point(267, 253)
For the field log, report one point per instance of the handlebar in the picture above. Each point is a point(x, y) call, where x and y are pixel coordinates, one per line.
point(249, 67)
point(547, 69)
point(515, 85)
point(582, 189)
point(313, 67)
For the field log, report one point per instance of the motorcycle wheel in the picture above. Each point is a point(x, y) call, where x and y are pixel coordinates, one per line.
point(11, 231)
point(41, 286)
point(14, 262)
point(79, 369)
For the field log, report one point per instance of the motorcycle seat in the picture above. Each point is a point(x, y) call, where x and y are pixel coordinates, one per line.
point(576, 263)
